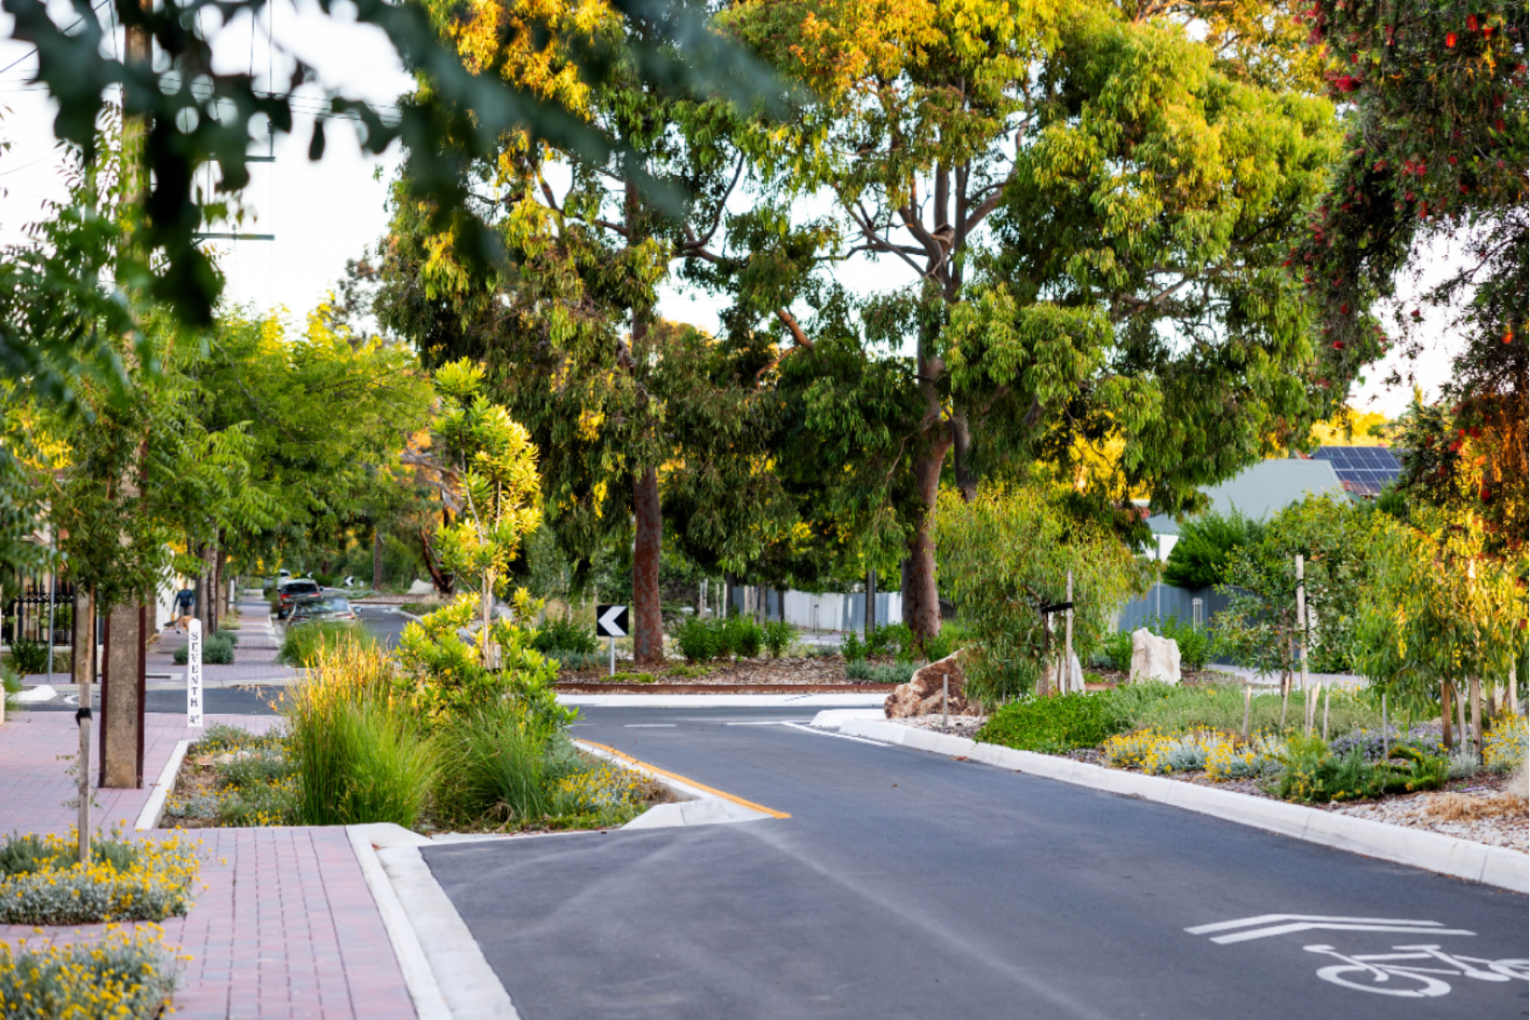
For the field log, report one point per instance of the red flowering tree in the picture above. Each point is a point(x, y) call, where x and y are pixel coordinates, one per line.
point(1434, 171)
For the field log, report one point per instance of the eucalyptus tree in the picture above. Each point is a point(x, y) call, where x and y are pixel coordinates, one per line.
point(566, 324)
point(1089, 205)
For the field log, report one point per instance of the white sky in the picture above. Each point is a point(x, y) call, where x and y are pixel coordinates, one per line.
point(324, 213)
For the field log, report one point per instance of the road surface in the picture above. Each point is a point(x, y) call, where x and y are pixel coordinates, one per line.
point(907, 884)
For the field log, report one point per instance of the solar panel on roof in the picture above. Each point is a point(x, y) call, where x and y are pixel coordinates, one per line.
point(1362, 469)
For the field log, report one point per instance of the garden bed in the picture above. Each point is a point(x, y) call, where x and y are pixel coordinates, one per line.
point(235, 779)
point(790, 673)
point(1190, 736)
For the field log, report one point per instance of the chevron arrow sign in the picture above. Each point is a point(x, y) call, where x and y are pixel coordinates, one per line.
point(611, 621)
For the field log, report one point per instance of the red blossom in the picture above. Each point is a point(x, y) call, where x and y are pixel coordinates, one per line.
point(1338, 345)
point(1450, 40)
point(1471, 22)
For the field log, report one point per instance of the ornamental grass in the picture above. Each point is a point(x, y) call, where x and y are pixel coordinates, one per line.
point(122, 976)
point(42, 881)
point(359, 750)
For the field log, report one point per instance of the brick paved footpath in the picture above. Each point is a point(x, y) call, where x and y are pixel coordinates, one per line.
point(285, 926)
point(254, 657)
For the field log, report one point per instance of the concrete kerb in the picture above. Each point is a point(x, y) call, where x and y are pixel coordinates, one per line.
point(424, 990)
point(1419, 848)
point(149, 817)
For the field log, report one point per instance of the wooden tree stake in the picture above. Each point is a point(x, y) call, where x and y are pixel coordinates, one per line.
point(1476, 696)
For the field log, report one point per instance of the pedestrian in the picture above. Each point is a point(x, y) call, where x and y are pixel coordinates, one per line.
point(184, 600)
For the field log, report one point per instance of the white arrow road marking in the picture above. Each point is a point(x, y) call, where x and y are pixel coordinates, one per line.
point(1269, 925)
point(608, 621)
point(836, 736)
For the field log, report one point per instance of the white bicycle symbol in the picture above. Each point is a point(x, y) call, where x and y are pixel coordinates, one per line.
point(1370, 973)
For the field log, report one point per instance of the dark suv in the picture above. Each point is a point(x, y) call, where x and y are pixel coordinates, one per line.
point(289, 592)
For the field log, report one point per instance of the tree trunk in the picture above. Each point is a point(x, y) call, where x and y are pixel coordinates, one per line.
point(961, 441)
point(871, 603)
point(1445, 711)
point(437, 578)
point(921, 602)
point(376, 560)
point(647, 620)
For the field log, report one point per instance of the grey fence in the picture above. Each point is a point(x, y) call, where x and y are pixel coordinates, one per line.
point(1192, 605)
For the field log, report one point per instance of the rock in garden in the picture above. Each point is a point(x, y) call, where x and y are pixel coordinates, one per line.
point(1073, 683)
point(418, 587)
point(921, 695)
point(1154, 657)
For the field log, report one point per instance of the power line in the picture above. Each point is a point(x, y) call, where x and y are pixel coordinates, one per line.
point(78, 22)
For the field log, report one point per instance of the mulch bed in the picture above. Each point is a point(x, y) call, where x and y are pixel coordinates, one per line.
point(795, 675)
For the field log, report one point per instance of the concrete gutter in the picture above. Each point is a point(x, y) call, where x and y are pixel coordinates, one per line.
point(468, 984)
point(419, 978)
point(1419, 848)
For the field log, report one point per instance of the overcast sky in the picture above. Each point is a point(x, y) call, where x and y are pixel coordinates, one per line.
point(324, 213)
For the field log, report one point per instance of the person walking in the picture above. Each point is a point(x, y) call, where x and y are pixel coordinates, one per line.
point(185, 599)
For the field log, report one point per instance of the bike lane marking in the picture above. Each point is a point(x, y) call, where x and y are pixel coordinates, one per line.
point(1269, 925)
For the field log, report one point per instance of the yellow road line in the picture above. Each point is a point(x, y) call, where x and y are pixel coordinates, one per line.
point(751, 805)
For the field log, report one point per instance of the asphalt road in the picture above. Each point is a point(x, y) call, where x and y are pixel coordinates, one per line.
point(384, 623)
point(219, 701)
point(906, 884)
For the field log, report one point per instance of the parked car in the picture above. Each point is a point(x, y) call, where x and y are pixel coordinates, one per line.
point(288, 592)
point(322, 608)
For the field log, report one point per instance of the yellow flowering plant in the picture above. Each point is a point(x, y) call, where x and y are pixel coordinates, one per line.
point(42, 881)
point(124, 975)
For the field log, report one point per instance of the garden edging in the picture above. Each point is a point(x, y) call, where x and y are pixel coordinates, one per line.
point(154, 808)
point(1433, 851)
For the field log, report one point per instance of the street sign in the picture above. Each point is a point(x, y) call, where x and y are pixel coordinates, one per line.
point(611, 621)
point(194, 672)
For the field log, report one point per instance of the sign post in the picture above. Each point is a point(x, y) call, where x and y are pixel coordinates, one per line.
point(194, 672)
point(611, 622)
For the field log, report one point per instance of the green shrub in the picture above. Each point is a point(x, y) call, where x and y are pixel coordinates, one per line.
point(891, 639)
point(778, 637)
point(895, 673)
point(577, 661)
point(1054, 724)
point(304, 643)
point(688, 672)
point(743, 636)
point(852, 647)
point(358, 750)
point(29, 656)
point(698, 640)
point(217, 650)
point(1195, 646)
point(1200, 558)
point(1116, 650)
point(1312, 774)
point(10, 686)
point(564, 636)
point(131, 970)
point(952, 637)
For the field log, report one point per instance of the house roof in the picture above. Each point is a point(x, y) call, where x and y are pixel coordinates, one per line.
point(1363, 470)
point(1264, 489)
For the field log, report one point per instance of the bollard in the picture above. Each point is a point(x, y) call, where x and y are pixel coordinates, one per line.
point(1385, 749)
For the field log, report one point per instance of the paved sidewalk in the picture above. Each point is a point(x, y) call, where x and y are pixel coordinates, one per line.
point(254, 656)
point(284, 928)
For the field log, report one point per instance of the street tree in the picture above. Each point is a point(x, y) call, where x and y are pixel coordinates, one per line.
point(489, 468)
point(1089, 208)
point(566, 327)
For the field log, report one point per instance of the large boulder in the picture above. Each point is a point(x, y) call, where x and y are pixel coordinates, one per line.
point(1054, 682)
point(922, 694)
point(1154, 657)
point(418, 587)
